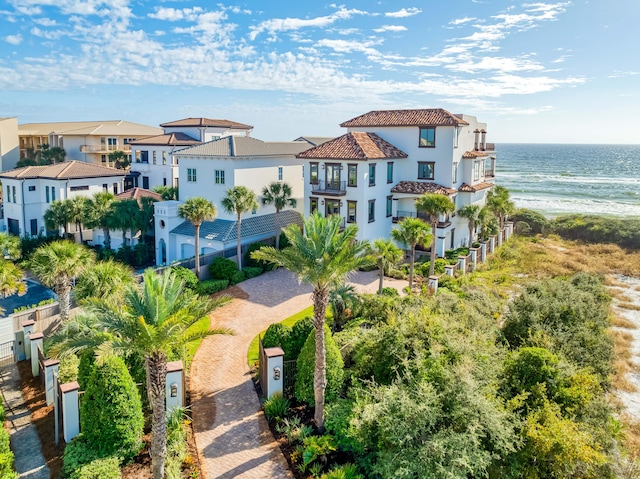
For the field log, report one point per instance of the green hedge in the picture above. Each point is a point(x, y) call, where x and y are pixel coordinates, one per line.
point(222, 268)
point(212, 286)
point(6, 456)
point(251, 272)
point(107, 468)
point(185, 274)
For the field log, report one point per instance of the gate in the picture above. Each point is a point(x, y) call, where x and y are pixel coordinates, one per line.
point(6, 353)
point(289, 373)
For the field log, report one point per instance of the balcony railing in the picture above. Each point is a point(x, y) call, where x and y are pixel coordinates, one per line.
point(104, 148)
point(489, 173)
point(335, 188)
point(484, 147)
point(424, 217)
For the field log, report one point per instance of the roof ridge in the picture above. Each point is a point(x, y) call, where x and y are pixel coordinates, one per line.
point(64, 169)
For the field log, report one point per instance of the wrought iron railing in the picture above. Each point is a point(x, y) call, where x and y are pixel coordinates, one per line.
point(330, 187)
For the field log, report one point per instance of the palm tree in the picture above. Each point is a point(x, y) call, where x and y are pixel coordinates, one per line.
point(10, 246)
point(10, 279)
point(127, 214)
point(500, 204)
point(411, 232)
point(239, 199)
point(196, 210)
point(472, 214)
point(144, 219)
point(322, 256)
point(341, 297)
point(167, 192)
point(156, 320)
point(59, 215)
point(100, 214)
point(279, 195)
point(386, 253)
point(488, 223)
point(78, 210)
point(106, 280)
point(56, 264)
point(434, 205)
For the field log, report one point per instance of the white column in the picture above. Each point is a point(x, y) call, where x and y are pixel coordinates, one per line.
point(462, 264)
point(433, 284)
point(50, 367)
point(27, 329)
point(275, 371)
point(36, 340)
point(483, 252)
point(175, 385)
point(70, 410)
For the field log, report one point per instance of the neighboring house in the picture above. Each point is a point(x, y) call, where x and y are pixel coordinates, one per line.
point(209, 170)
point(28, 191)
point(9, 145)
point(153, 158)
point(372, 175)
point(86, 141)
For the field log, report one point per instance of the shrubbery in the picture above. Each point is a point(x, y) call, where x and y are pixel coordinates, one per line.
point(188, 277)
point(249, 261)
point(6, 455)
point(251, 272)
point(107, 468)
point(624, 232)
point(211, 286)
point(236, 277)
point(530, 222)
point(223, 268)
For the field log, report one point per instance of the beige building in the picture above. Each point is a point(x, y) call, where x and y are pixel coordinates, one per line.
point(9, 150)
point(86, 141)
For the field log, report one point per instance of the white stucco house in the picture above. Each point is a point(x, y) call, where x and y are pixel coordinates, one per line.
point(154, 163)
point(372, 175)
point(9, 144)
point(28, 191)
point(209, 170)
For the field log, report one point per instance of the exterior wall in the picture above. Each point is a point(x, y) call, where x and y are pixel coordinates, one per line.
point(205, 134)
point(162, 172)
point(9, 144)
point(166, 218)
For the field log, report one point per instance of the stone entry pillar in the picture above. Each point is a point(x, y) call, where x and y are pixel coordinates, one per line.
point(175, 385)
point(70, 410)
point(36, 340)
point(275, 371)
point(27, 329)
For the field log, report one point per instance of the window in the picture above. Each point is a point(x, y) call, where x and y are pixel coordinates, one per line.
point(138, 156)
point(145, 182)
point(313, 176)
point(427, 137)
point(103, 158)
point(352, 175)
point(164, 182)
point(191, 175)
point(425, 170)
point(105, 187)
point(154, 157)
point(390, 172)
point(9, 194)
point(110, 144)
point(34, 227)
point(46, 190)
point(389, 205)
point(478, 169)
point(53, 193)
point(314, 205)
point(351, 211)
point(115, 188)
point(78, 188)
point(32, 188)
point(279, 173)
point(219, 177)
point(372, 211)
point(372, 174)
point(144, 156)
point(164, 157)
point(127, 141)
point(455, 173)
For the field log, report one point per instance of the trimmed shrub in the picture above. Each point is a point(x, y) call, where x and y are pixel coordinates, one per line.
point(107, 468)
point(251, 272)
point(237, 277)
point(85, 368)
point(536, 223)
point(222, 268)
point(211, 286)
point(186, 275)
point(77, 453)
point(284, 241)
point(68, 369)
point(277, 334)
point(306, 366)
point(111, 411)
point(297, 337)
point(276, 407)
point(249, 261)
point(386, 291)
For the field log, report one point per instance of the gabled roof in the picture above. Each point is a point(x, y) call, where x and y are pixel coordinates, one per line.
point(355, 145)
point(82, 128)
point(314, 140)
point(424, 117)
point(66, 170)
point(242, 146)
point(170, 139)
point(137, 194)
point(208, 122)
point(421, 187)
point(226, 230)
point(475, 154)
point(465, 188)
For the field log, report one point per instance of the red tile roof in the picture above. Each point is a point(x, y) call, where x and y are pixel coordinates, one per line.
point(170, 139)
point(63, 171)
point(354, 146)
point(208, 122)
point(465, 188)
point(425, 117)
point(137, 194)
point(421, 187)
point(475, 154)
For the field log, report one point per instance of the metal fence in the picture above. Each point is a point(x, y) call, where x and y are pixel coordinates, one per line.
point(6, 353)
point(289, 374)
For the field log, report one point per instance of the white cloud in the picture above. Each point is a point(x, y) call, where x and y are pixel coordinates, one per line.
point(13, 39)
point(390, 28)
point(175, 14)
point(460, 21)
point(48, 34)
point(45, 22)
point(404, 12)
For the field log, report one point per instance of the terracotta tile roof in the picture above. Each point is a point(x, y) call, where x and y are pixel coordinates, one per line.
point(475, 154)
point(465, 188)
point(83, 128)
point(354, 146)
point(170, 139)
point(63, 171)
point(208, 122)
point(425, 117)
point(421, 187)
point(137, 194)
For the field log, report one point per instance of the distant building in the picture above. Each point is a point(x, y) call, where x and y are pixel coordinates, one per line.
point(372, 175)
point(86, 141)
point(9, 145)
point(153, 158)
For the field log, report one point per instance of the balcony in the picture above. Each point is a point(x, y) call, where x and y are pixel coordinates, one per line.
point(412, 214)
point(330, 188)
point(104, 148)
point(484, 147)
point(489, 173)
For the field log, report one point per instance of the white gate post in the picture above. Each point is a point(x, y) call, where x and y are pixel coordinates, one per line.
point(36, 340)
point(50, 366)
point(70, 410)
point(433, 284)
point(462, 264)
point(275, 371)
point(27, 329)
point(175, 385)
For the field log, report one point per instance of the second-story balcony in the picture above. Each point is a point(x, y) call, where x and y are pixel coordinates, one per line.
point(330, 188)
point(400, 215)
point(484, 147)
point(104, 148)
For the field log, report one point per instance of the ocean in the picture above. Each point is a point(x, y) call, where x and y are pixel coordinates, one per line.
point(560, 179)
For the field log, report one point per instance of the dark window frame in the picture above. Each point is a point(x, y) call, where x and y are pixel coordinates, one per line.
point(355, 167)
point(426, 143)
point(312, 180)
point(355, 211)
point(312, 200)
point(372, 177)
point(371, 210)
point(433, 170)
point(389, 206)
point(389, 170)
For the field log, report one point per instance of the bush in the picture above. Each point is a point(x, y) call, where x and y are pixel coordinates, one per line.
point(211, 286)
point(144, 254)
point(85, 368)
point(297, 337)
point(77, 453)
point(536, 223)
point(306, 366)
point(186, 275)
point(276, 335)
point(177, 450)
point(222, 268)
point(386, 291)
point(111, 411)
point(6, 455)
point(237, 277)
point(249, 261)
point(251, 272)
point(284, 241)
point(346, 471)
point(624, 232)
point(276, 407)
point(107, 468)
point(68, 369)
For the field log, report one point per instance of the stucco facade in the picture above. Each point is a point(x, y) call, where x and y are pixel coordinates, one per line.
point(9, 144)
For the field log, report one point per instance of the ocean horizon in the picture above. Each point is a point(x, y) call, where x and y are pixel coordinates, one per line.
point(557, 178)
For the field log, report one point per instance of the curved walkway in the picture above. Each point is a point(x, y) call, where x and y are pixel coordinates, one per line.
point(231, 432)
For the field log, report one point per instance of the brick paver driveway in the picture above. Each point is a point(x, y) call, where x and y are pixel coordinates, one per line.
point(231, 432)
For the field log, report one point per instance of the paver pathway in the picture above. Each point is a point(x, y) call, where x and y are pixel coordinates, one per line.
point(231, 432)
point(25, 442)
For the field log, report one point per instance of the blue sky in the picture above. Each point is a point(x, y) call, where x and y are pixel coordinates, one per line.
point(563, 71)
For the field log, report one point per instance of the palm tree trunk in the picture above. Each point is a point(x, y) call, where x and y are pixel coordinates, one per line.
point(63, 291)
point(157, 380)
point(470, 234)
point(197, 227)
point(381, 278)
point(107, 238)
point(277, 229)
point(239, 247)
point(79, 225)
point(411, 262)
point(320, 301)
point(432, 254)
